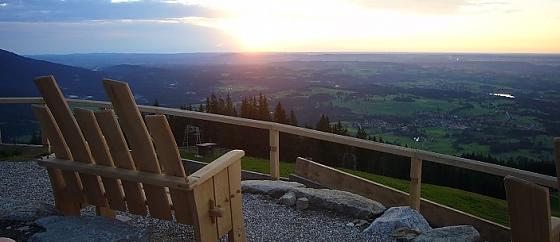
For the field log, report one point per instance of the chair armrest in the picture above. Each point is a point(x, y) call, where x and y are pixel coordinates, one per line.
point(214, 167)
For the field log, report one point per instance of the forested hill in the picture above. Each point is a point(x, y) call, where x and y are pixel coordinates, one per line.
point(17, 73)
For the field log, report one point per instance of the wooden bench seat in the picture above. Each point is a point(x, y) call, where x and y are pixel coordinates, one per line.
point(118, 160)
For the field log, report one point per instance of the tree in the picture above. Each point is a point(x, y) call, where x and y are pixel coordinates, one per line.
point(361, 133)
point(156, 103)
point(293, 120)
point(263, 113)
point(323, 124)
point(229, 108)
point(280, 114)
point(338, 128)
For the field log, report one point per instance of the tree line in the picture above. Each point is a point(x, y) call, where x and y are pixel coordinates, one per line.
point(255, 143)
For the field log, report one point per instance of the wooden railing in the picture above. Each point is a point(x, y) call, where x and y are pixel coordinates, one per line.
point(416, 156)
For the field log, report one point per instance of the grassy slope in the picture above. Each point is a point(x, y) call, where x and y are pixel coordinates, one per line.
point(482, 206)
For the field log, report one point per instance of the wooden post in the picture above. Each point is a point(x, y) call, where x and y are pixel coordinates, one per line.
point(557, 158)
point(274, 141)
point(415, 182)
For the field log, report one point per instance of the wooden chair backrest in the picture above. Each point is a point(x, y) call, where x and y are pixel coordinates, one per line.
point(147, 147)
point(529, 210)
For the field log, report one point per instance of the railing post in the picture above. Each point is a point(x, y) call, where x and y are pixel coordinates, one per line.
point(557, 158)
point(274, 141)
point(415, 182)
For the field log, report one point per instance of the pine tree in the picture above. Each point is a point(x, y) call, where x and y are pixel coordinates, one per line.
point(229, 108)
point(280, 114)
point(293, 120)
point(338, 128)
point(323, 124)
point(361, 133)
point(263, 113)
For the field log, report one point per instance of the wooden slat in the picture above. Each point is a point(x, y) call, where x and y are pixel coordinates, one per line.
point(170, 159)
point(100, 152)
point(274, 142)
point(415, 182)
point(123, 174)
point(221, 193)
point(118, 148)
point(72, 135)
point(206, 228)
point(142, 149)
point(67, 186)
point(529, 210)
point(237, 232)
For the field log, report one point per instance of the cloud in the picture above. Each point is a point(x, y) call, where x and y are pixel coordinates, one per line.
point(76, 10)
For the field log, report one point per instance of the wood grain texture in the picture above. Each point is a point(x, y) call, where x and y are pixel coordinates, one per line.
point(206, 228)
point(134, 195)
point(415, 182)
point(100, 152)
point(139, 140)
point(274, 142)
point(529, 210)
point(170, 160)
point(237, 233)
point(67, 186)
point(72, 135)
point(222, 195)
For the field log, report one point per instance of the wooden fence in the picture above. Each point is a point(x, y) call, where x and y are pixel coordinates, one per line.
point(416, 156)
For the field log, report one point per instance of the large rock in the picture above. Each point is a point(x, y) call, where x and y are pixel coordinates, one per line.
point(382, 228)
point(340, 201)
point(86, 228)
point(289, 199)
point(272, 188)
point(461, 233)
point(17, 210)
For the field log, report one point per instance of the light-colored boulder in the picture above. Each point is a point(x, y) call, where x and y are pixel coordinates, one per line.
point(302, 203)
point(341, 201)
point(405, 234)
point(17, 210)
point(461, 233)
point(381, 229)
point(86, 228)
point(267, 187)
point(289, 199)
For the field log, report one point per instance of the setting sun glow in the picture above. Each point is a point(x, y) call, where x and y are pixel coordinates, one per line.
point(402, 25)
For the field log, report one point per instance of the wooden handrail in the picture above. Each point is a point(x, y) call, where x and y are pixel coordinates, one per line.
point(544, 180)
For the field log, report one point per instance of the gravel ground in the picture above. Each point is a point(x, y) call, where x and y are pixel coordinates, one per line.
point(265, 219)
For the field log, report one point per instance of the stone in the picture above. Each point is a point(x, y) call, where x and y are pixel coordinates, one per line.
point(17, 210)
point(267, 187)
point(302, 203)
point(342, 202)
point(289, 199)
point(350, 224)
point(361, 222)
point(405, 234)
point(24, 228)
point(86, 228)
point(396, 217)
point(123, 218)
point(463, 233)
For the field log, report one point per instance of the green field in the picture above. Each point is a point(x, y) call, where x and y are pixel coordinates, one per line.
point(482, 206)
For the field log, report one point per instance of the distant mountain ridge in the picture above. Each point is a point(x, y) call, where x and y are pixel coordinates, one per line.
point(17, 73)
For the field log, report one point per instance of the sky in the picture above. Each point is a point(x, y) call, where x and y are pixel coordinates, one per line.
point(175, 26)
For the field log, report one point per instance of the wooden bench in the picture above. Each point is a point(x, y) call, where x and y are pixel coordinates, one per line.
point(125, 163)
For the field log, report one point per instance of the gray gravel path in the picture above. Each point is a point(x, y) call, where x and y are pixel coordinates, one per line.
point(265, 219)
